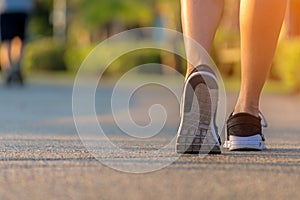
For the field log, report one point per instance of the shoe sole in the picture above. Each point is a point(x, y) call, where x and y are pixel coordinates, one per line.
point(251, 143)
point(197, 132)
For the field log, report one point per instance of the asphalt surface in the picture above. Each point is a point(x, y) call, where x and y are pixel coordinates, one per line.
point(42, 156)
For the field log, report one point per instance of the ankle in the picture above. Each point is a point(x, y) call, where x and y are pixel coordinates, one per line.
point(250, 109)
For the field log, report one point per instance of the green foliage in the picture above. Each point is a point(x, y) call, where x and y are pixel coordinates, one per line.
point(98, 61)
point(44, 54)
point(287, 63)
point(88, 19)
point(74, 56)
point(226, 52)
point(134, 59)
point(39, 23)
point(47, 55)
point(97, 13)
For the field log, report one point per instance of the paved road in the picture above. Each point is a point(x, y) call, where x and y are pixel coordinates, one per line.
point(42, 157)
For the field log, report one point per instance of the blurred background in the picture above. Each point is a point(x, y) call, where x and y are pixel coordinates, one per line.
point(61, 33)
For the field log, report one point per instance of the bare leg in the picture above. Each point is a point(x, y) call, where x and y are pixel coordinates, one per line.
point(5, 55)
point(11, 53)
point(261, 21)
point(200, 19)
point(16, 51)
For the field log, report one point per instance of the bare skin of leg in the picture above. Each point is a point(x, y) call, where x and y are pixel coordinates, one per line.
point(5, 55)
point(200, 20)
point(261, 21)
point(11, 53)
point(16, 50)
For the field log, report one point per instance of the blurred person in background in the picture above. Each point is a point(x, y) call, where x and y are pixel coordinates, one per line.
point(13, 20)
point(260, 25)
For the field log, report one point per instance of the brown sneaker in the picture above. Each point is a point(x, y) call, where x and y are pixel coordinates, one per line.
point(245, 132)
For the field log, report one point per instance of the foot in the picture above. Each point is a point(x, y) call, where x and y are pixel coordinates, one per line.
point(245, 133)
point(19, 78)
point(14, 77)
point(197, 131)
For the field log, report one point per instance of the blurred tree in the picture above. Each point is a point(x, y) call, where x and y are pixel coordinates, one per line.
point(129, 12)
point(104, 18)
point(91, 21)
point(39, 24)
point(59, 19)
point(99, 16)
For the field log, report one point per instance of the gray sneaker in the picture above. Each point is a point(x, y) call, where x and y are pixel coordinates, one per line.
point(197, 132)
